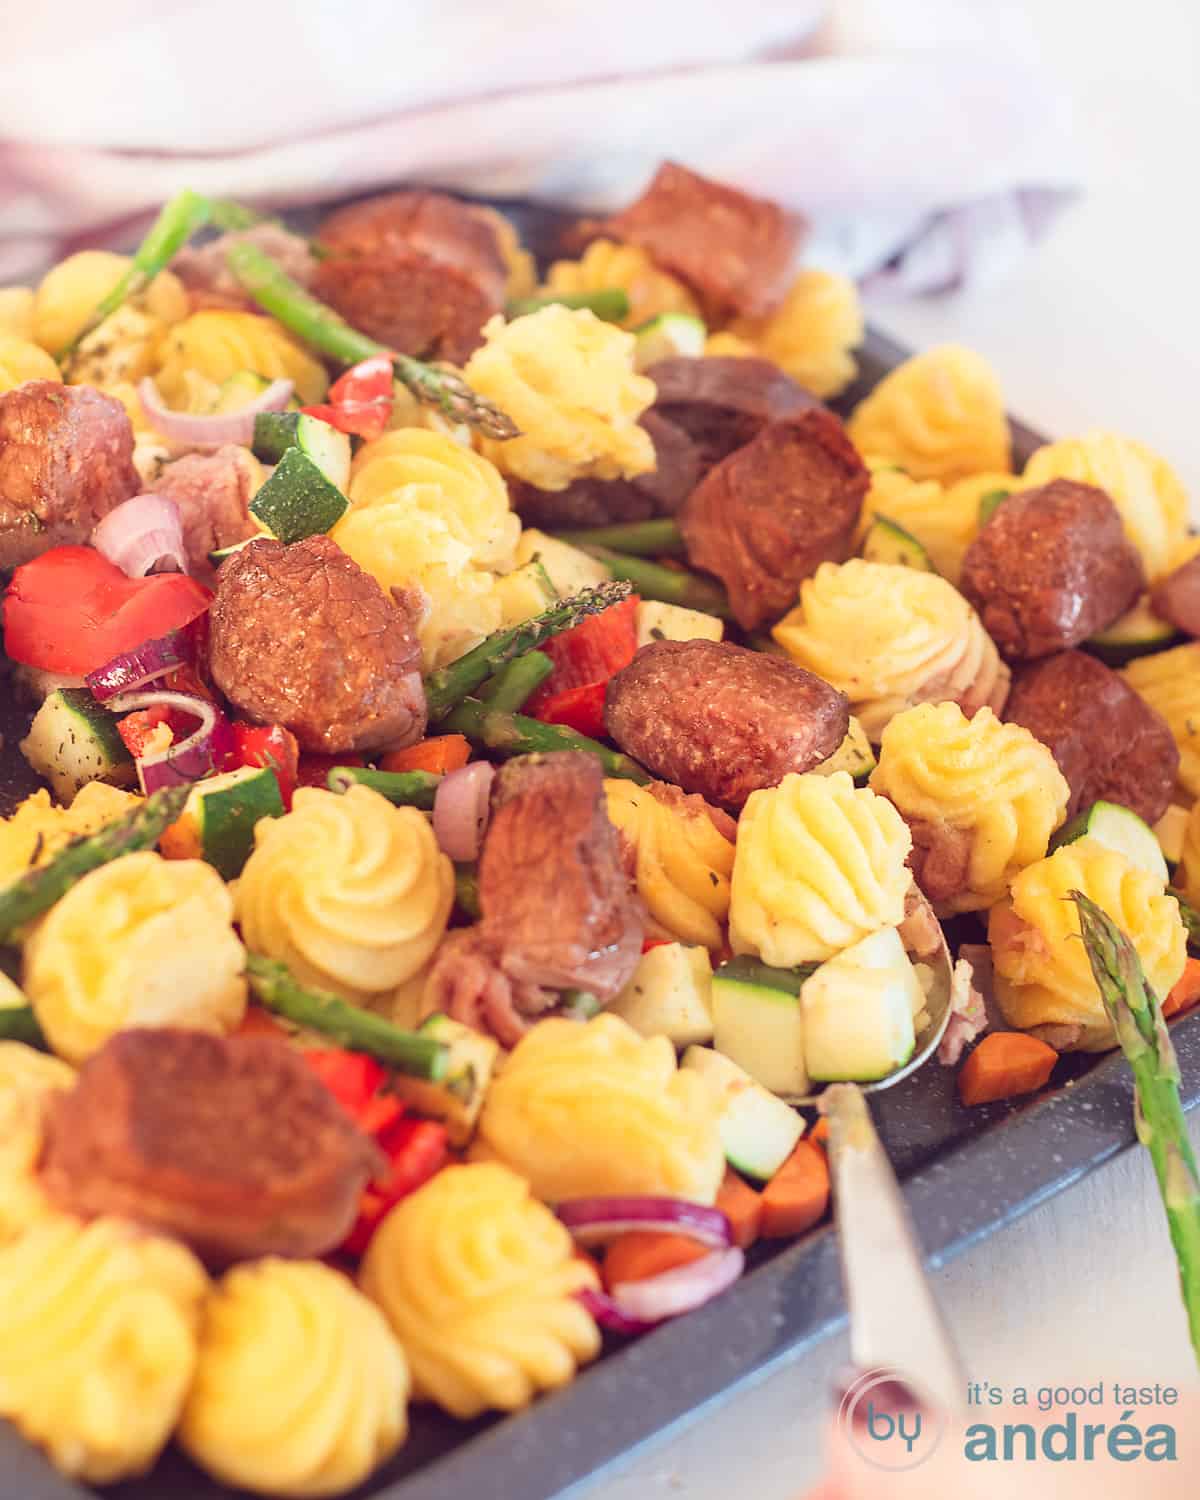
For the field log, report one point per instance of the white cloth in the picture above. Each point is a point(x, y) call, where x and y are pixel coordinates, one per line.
point(920, 137)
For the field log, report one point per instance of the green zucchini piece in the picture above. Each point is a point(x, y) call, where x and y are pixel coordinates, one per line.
point(277, 431)
point(74, 740)
point(758, 1022)
point(1116, 828)
point(221, 814)
point(854, 755)
point(989, 503)
point(758, 1130)
point(887, 542)
point(669, 336)
point(1138, 632)
point(457, 1097)
point(298, 500)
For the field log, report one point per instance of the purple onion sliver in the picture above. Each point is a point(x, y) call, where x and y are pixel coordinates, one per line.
point(681, 1290)
point(605, 1311)
point(192, 757)
point(133, 669)
point(460, 810)
point(218, 429)
point(139, 533)
point(592, 1220)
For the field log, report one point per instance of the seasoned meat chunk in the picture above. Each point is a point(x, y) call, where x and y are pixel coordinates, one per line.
point(1051, 568)
point(1108, 742)
point(717, 719)
point(302, 636)
point(206, 274)
point(723, 403)
point(420, 271)
point(734, 250)
point(772, 512)
point(213, 492)
point(557, 911)
point(66, 460)
point(230, 1143)
point(1176, 598)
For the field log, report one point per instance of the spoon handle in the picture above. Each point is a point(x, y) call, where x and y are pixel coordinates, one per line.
point(895, 1323)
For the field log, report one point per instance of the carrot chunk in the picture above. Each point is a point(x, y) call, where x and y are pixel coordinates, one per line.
point(820, 1131)
point(260, 1022)
point(1005, 1064)
point(1186, 991)
point(797, 1197)
point(441, 754)
point(742, 1206)
point(641, 1253)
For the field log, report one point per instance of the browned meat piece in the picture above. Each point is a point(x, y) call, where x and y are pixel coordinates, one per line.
point(766, 517)
point(606, 502)
point(720, 720)
point(302, 636)
point(723, 403)
point(735, 251)
point(230, 1143)
point(557, 911)
point(206, 274)
point(1051, 568)
point(419, 271)
point(66, 460)
point(1109, 743)
point(1176, 598)
point(213, 493)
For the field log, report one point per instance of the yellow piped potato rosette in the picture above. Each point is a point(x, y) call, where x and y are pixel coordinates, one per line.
point(216, 343)
point(1169, 681)
point(981, 798)
point(29, 1081)
point(811, 334)
point(939, 415)
point(143, 941)
point(820, 864)
point(351, 893)
point(98, 1329)
point(567, 380)
point(607, 263)
point(944, 521)
point(594, 1110)
point(890, 637)
point(479, 1282)
point(682, 861)
point(301, 1388)
point(1043, 979)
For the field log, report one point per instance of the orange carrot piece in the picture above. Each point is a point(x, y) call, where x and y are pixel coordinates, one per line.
point(1186, 991)
point(742, 1206)
point(259, 1021)
point(797, 1197)
point(820, 1131)
point(441, 754)
point(641, 1253)
point(1005, 1064)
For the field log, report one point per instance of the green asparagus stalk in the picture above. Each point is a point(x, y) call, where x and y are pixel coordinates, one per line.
point(660, 538)
point(1136, 1015)
point(19, 1024)
point(404, 788)
point(451, 684)
point(36, 891)
point(228, 215)
point(178, 220)
point(507, 690)
point(1191, 921)
point(275, 291)
point(611, 303)
point(671, 585)
point(466, 889)
point(514, 734)
point(359, 1030)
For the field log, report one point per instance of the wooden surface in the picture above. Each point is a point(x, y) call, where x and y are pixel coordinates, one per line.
point(1100, 328)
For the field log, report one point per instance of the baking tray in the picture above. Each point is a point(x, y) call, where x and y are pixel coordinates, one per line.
point(965, 1174)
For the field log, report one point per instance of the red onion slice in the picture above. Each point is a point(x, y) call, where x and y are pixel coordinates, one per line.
point(142, 534)
point(680, 1290)
point(594, 1220)
point(211, 431)
point(460, 810)
point(605, 1311)
point(187, 761)
point(134, 669)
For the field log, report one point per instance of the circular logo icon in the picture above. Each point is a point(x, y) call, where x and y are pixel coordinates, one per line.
point(888, 1424)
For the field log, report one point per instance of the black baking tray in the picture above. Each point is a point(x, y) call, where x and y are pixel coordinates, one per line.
point(965, 1174)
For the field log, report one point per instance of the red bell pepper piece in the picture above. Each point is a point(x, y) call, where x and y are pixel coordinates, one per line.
point(585, 658)
point(356, 1081)
point(269, 745)
point(360, 401)
point(416, 1150)
point(138, 728)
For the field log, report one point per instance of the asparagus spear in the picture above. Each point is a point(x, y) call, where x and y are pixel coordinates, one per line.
point(359, 1030)
point(466, 889)
point(451, 684)
point(660, 538)
point(36, 891)
point(273, 289)
point(514, 734)
point(178, 220)
point(228, 215)
point(671, 585)
point(1136, 1014)
point(507, 690)
point(611, 303)
point(404, 788)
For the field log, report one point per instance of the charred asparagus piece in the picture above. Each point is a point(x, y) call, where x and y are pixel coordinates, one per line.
point(403, 788)
point(514, 734)
point(671, 585)
point(658, 538)
point(611, 303)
